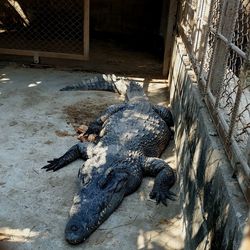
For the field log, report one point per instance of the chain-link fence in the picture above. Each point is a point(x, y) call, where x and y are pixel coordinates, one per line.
point(43, 27)
point(217, 36)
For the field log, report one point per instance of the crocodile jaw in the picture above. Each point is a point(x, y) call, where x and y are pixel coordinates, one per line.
point(87, 214)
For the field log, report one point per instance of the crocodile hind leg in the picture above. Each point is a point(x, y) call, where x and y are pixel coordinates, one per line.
point(77, 151)
point(164, 179)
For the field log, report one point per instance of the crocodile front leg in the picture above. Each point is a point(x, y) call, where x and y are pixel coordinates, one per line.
point(165, 114)
point(165, 179)
point(96, 126)
point(77, 151)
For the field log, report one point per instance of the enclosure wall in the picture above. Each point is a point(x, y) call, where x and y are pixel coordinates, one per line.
point(214, 207)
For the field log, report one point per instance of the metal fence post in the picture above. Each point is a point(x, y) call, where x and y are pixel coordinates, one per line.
point(245, 72)
point(200, 76)
point(86, 28)
point(169, 36)
point(220, 55)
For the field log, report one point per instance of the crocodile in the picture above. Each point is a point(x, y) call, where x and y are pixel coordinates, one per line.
point(131, 137)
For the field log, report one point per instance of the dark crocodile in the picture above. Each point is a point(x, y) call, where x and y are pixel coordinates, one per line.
point(132, 136)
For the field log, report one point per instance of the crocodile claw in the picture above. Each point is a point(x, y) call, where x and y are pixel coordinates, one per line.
point(53, 165)
point(162, 196)
point(94, 128)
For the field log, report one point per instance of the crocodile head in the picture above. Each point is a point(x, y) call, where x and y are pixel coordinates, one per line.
point(94, 204)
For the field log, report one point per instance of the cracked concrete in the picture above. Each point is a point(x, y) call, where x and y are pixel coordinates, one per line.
point(34, 204)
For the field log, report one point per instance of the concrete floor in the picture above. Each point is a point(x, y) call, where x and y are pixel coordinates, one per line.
point(36, 122)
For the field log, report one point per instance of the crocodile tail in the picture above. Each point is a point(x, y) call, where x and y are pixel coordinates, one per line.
point(103, 82)
point(134, 90)
point(124, 87)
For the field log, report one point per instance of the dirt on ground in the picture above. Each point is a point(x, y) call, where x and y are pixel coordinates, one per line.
point(84, 112)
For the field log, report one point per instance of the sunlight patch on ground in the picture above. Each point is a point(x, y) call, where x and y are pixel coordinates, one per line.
point(17, 235)
point(4, 79)
point(137, 79)
point(169, 235)
point(159, 81)
point(147, 79)
point(34, 84)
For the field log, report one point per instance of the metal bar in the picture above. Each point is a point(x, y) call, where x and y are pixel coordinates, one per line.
point(199, 34)
point(220, 55)
point(42, 54)
point(86, 29)
point(169, 38)
point(235, 111)
point(206, 39)
point(229, 44)
point(242, 82)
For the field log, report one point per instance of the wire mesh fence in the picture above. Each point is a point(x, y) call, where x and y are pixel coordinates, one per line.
point(42, 25)
point(211, 38)
point(217, 36)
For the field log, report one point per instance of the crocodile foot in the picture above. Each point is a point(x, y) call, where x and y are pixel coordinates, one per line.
point(54, 165)
point(162, 196)
point(163, 182)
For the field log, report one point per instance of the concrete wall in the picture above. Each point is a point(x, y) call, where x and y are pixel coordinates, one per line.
point(214, 208)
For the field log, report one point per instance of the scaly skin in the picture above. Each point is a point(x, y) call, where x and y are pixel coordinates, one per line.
point(131, 137)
